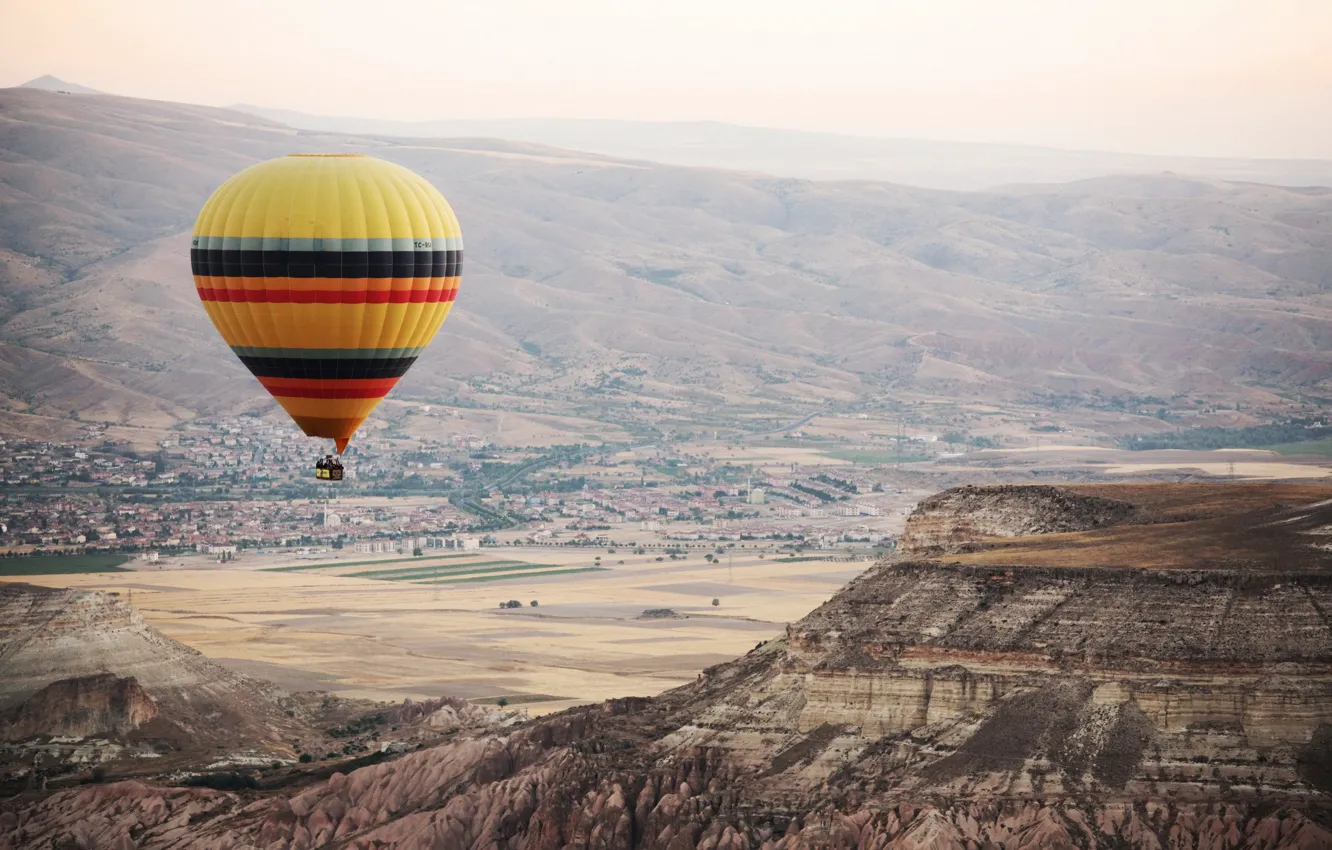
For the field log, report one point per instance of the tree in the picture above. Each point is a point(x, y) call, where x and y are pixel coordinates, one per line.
point(501, 702)
point(416, 551)
point(533, 603)
point(306, 758)
point(716, 603)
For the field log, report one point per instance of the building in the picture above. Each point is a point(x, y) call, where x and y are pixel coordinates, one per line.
point(756, 496)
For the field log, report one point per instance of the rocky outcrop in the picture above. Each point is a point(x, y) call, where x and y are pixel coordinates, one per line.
point(930, 704)
point(48, 635)
point(448, 713)
point(559, 784)
point(103, 704)
point(961, 517)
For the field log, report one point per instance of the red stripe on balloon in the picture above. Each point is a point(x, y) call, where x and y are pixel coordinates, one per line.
point(332, 389)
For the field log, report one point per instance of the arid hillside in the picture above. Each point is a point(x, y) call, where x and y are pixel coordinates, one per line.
point(630, 291)
point(929, 704)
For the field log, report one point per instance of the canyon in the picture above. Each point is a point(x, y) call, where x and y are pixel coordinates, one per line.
point(1038, 684)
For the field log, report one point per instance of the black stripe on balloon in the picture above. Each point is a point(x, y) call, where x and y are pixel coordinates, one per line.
point(327, 368)
point(217, 262)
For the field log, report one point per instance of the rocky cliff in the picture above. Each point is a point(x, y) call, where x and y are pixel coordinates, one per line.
point(964, 516)
point(103, 704)
point(50, 636)
point(942, 704)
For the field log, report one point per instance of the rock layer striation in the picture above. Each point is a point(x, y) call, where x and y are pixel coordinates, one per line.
point(931, 704)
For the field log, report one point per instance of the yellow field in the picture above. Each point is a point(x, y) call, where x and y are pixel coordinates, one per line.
point(1251, 470)
point(390, 640)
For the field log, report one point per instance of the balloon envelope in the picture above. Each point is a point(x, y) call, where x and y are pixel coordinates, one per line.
point(327, 274)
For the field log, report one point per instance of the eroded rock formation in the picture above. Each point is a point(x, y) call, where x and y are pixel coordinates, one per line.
point(943, 704)
point(80, 707)
point(953, 519)
point(49, 635)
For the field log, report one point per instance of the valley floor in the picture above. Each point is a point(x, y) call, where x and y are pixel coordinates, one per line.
point(388, 639)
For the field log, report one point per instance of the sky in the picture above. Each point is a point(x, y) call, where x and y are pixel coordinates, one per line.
point(1248, 78)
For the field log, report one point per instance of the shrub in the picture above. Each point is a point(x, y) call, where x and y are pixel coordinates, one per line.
point(533, 603)
point(229, 781)
point(716, 603)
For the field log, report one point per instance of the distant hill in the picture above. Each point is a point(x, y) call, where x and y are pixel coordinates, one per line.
point(50, 83)
point(822, 156)
point(674, 298)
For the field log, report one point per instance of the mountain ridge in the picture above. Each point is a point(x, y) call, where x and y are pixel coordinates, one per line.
point(663, 297)
point(929, 163)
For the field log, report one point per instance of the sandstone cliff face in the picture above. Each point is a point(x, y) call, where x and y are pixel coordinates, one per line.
point(80, 707)
point(960, 517)
point(48, 635)
point(930, 704)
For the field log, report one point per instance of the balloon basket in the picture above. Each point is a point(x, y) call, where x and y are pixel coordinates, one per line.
point(328, 468)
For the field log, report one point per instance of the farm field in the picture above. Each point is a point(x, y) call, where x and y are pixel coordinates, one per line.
point(583, 642)
point(62, 565)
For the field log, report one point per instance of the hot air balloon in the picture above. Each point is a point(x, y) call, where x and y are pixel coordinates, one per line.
point(328, 275)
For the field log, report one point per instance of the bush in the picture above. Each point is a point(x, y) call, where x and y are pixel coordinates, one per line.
point(533, 603)
point(306, 758)
point(716, 603)
point(230, 781)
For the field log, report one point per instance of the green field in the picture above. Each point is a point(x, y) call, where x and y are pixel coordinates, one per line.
point(506, 576)
point(499, 562)
point(436, 572)
point(1321, 448)
point(874, 458)
point(323, 565)
point(52, 565)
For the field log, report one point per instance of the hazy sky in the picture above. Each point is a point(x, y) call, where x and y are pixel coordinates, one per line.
point(1207, 77)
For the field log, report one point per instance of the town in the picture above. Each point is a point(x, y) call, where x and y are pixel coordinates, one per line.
point(227, 485)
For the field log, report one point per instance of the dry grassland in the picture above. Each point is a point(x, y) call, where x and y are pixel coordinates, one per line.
point(390, 640)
